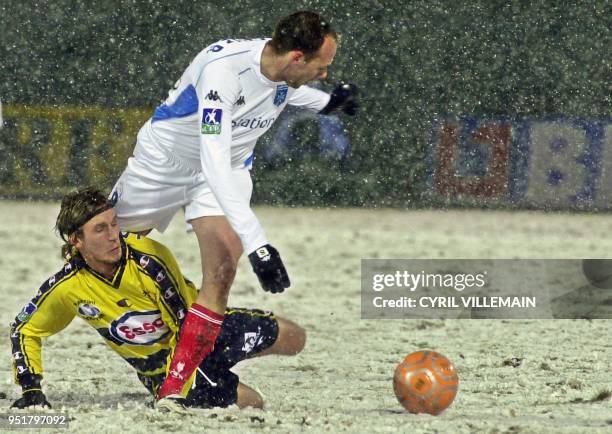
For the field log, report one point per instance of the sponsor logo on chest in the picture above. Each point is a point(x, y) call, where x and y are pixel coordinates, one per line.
point(140, 328)
point(254, 123)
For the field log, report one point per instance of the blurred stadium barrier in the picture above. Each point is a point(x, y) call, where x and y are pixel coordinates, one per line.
point(552, 163)
point(49, 150)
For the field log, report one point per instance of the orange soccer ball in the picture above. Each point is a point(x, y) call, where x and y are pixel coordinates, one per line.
point(425, 382)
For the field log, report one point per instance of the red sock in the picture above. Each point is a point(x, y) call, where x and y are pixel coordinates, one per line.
point(196, 340)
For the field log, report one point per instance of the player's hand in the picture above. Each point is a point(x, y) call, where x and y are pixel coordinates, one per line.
point(268, 266)
point(33, 399)
point(344, 97)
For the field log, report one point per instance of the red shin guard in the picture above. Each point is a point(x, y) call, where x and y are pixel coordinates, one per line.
point(196, 340)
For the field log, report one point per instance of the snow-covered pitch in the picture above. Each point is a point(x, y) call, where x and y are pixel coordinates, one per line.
point(515, 375)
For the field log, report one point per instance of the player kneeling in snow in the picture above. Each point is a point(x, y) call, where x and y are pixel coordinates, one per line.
point(130, 289)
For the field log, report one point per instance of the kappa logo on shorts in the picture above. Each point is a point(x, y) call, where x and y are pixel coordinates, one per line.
point(211, 121)
point(251, 340)
point(112, 201)
point(281, 94)
point(115, 195)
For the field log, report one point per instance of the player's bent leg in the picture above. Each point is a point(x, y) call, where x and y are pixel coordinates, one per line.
point(220, 250)
point(248, 397)
point(290, 341)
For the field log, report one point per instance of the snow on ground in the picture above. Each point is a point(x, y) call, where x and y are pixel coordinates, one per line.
point(342, 380)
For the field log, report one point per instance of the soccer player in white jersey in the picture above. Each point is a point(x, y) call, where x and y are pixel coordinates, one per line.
point(196, 152)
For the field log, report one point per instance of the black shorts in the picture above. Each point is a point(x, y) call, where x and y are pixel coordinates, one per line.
point(244, 333)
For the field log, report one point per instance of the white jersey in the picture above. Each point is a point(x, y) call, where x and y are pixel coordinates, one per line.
point(213, 117)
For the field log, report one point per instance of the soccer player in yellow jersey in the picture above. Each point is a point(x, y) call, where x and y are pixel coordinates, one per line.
point(132, 292)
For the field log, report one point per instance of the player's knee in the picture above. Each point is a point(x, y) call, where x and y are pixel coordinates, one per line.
point(247, 397)
point(299, 339)
point(292, 337)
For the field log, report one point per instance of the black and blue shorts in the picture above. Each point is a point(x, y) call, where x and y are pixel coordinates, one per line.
point(244, 333)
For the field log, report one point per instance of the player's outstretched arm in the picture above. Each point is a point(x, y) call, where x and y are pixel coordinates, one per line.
point(216, 97)
point(45, 315)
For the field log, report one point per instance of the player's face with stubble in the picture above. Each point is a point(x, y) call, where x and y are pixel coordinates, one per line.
point(99, 245)
point(314, 68)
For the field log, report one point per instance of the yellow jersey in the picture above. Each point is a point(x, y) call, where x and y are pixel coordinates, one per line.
point(138, 312)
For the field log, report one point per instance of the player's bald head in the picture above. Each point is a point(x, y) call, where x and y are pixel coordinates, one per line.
point(304, 31)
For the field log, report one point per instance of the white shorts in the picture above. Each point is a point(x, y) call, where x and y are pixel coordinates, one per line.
point(156, 184)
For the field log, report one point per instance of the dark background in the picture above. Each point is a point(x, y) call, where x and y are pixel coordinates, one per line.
point(414, 62)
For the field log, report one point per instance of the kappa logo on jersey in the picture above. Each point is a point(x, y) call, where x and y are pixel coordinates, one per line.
point(17, 355)
point(89, 311)
point(213, 96)
point(27, 312)
point(211, 121)
point(281, 94)
point(68, 267)
point(21, 369)
point(160, 276)
point(181, 313)
point(168, 293)
point(144, 261)
point(240, 100)
point(51, 280)
point(140, 328)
